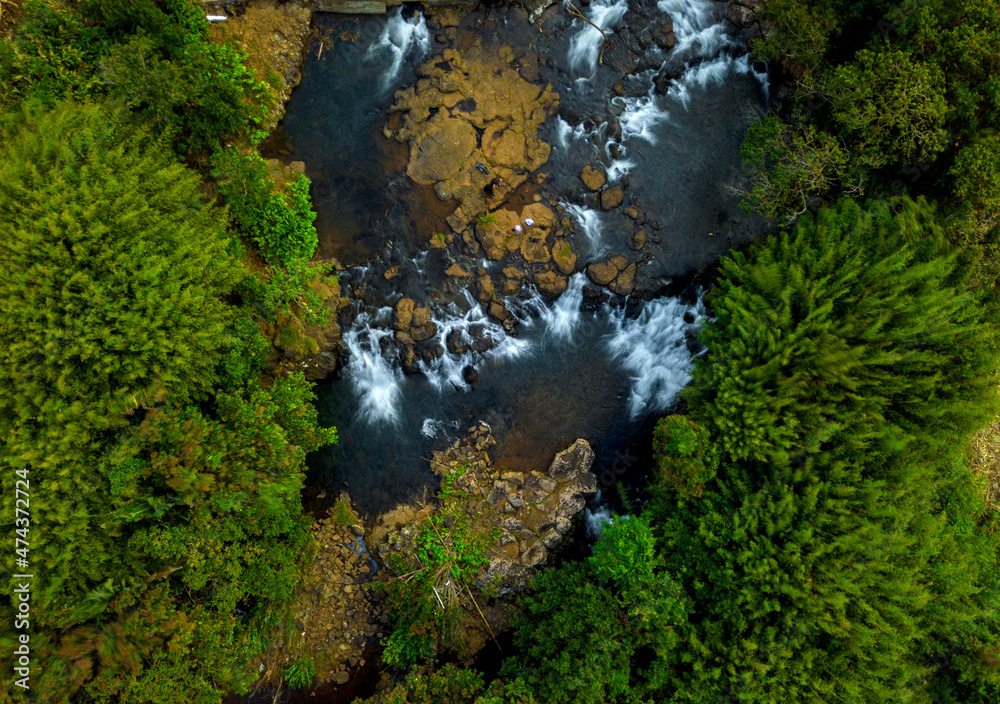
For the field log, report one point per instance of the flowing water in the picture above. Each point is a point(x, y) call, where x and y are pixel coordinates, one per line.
point(577, 366)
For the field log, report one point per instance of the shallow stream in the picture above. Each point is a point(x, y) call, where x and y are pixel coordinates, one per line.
point(666, 125)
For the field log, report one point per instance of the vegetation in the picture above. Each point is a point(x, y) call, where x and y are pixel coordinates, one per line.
point(166, 518)
point(427, 600)
point(153, 55)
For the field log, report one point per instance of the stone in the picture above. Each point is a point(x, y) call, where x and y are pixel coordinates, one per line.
point(593, 178)
point(485, 289)
point(420, 333)
point(402, 313)
point(639, 239)
point(421, 315)
point(602, 272)
point(457, 271)
point(625, 281)
point(340, 678)
point(441, 151)
point(564, 257)
point(457, 342)
point(551, 283)
point(612, 197)
point(533, 248)
point(498, 311)
point(571, 462)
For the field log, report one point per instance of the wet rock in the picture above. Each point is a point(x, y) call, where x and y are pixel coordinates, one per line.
point(602, 272)
point(341, 677)
point(612, 197)
point(420, 333)
point(564, 257)
point(469, 374)
point(625, 281)
point(636, 214)
point(457, 342)
point(402, 313)
point(593, 178)
point(551, 283)
point(457, 271)
point(484, 288)
point(497, 311)
point(533, 248)
point(441, 151)
point(639, 239)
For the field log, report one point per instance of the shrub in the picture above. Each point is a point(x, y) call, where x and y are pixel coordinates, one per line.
point(278, 221)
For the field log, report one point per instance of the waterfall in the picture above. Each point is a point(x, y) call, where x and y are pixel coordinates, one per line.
point(697, 28)
point(653, 349)
point(588, 222)
point(401, 39)
point(562, 317)
point(585, 46)
point(377, 383)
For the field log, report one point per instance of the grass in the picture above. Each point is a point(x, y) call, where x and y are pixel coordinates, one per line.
point(343, 514)
point(985, 461)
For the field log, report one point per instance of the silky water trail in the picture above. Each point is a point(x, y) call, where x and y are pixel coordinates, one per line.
point(669, 131)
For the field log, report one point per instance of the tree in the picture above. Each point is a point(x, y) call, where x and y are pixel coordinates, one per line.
point(893, 105)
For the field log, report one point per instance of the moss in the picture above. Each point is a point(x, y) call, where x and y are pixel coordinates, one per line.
point(343, 514)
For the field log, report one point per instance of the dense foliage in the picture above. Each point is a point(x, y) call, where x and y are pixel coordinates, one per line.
point(166, 517)
point(817, 533)
point(153, 55)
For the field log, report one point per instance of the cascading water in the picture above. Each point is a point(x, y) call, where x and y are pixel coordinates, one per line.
point(653, 348)
point(585, 46)
point(403, 40)
point(376, 381)
point(561, 368)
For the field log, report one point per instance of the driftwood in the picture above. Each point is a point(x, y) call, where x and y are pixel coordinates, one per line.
point(572, 9)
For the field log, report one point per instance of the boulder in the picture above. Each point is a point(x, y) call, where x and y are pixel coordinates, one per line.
point(625, 281)
point(402, 313)
point(602, 272)
point(564, 257)
point(551, 283)
point(593, 178)
point(441, 151)
point(612, 197)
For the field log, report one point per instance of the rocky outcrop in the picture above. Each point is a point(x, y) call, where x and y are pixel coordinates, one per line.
point(529, 512)
point(471, 123)
point(615, 272)
point(273, 34)
point(305, 340)
point(336, 617)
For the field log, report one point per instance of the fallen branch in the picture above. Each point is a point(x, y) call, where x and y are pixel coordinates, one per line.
point(572, 9)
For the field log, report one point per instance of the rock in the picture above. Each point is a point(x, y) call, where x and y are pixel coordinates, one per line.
point(457, 271)
point(469, 374)
point(625, 281)
point(340, 677)
point(533, 248)
point(402, 313)
point(593, 178)
point(441, 151)
point(639, 239)
point(498, 311)
point(420, 333)
point(551, 283)
point(457, 342)
point(484, 287)
point(571, 462)
point(636, 214)
point(564, 257)
point(612, 197)
point(421, 315)
point(602, 273)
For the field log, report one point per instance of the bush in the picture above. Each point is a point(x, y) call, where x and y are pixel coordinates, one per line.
point(278, 221)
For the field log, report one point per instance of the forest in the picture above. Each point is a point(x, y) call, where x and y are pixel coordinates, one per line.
point(823, 518)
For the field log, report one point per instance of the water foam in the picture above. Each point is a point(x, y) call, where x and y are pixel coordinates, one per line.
point(653, 349)
point(588, 222)
point(403, 39)
point(563, 316)
point(377, 383)
point(585, 46)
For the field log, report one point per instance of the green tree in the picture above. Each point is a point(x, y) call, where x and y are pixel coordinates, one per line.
point(893, 105)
